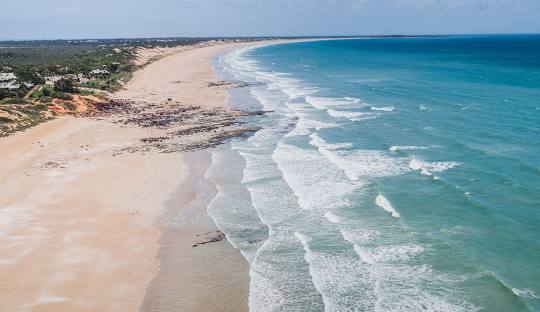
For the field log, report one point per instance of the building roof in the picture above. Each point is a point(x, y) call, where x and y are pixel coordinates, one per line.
point(99, 71)
point(7, 76)
point(10, 85)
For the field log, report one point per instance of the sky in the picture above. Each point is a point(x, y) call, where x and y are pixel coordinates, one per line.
point(73, 19)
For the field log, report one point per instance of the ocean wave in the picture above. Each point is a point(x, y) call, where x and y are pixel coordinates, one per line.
point(427, 168)
point(295, 92)
point(385, 204)
point(357, 239)
point(398, 283)
point(255, 170)
point(396, 148)
point(525, 293)
point(305, 126)
point(383, 109)
point(359, 163)
point(338, 278)
point(273, 286)
point(292, 87)
point(381, 273)
point(323, 103)
point(245, 69)
point(231, 200)
point(270, 101)
point(353, 116)
point(264, 296)
point(310, 174)
point(239, 65)
point(332, 217)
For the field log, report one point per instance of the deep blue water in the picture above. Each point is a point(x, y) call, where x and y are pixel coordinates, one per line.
point(391, 175)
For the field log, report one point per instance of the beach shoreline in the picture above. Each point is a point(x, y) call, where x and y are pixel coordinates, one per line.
point(79, 197)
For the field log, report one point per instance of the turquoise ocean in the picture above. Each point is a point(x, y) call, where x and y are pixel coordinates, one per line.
point(389, 174)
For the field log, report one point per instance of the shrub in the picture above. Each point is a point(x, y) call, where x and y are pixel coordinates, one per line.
point(69, 106)
point(65, 85)
point(46, 99)
point(14, 101)
point(21, 91)
point(62, 96)
point(113, 68)
point(40, 107)
point(5, 93)
point(126, 68)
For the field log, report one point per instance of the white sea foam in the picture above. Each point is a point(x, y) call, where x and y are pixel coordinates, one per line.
point(383, 109)
point(326, 102)
point(310, 175)
point(358, 238)
point(305, 126)
point(525, 293)
point(359, 163)
point(396, 148)
point(394, 253)
point(294, 91)
point(276, 81)
point(353, 116)
point(338, 278)
point(292, 87)
point(427, 168)
point(385, 204)
point(332, 217)
point(255, 170)
point(383, 281)
point(270, 101)
point(379, 254)
point(231, 201)
point(422, 107)
point(264, 296)
point(273, 285)
point(390, 269)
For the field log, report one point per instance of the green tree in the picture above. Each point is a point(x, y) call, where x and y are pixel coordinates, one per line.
point(5, 93)
point(30, 74)
point(113, 68)
point(65, 85)
point(21, 91)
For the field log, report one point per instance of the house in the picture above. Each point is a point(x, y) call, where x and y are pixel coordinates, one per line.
point(99, 73)
point(81, 78)
point(8, 81)
point(7, 77)
point(50, 80)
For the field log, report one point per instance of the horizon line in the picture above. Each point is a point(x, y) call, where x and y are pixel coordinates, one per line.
point(274, 36)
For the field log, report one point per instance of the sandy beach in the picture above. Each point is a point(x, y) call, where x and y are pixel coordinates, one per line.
point(89, 221)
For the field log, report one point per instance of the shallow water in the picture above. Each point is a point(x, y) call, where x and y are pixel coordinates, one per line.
point(391, 175)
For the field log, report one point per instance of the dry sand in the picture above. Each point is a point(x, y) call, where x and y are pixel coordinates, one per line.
point(80, 222)
point(77, 224)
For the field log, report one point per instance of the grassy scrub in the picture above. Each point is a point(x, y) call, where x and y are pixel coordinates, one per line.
point(16, 115)
point(55, 75)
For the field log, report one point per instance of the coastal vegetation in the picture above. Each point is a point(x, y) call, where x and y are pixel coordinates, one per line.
point(43, 79)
